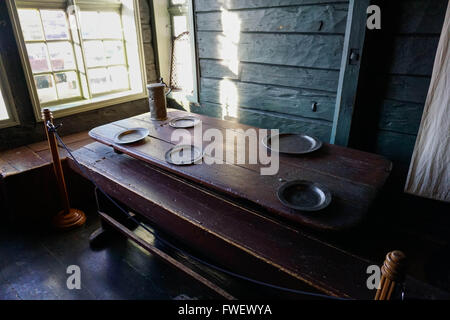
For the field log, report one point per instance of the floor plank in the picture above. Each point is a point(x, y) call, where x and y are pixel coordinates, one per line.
point(36, 263)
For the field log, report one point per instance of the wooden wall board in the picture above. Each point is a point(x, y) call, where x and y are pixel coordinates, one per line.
point(274, 52)
point(268, 120)
point(282, 100)
point(349, 72)
point(413, 54)
point(401, 117)
point(396, 74)
point(277, 75)
point(216, 5)
point(302, 50)
point(302, 19)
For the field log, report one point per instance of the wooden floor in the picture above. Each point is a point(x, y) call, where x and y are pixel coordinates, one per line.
point(33, 266)
point(38, 154)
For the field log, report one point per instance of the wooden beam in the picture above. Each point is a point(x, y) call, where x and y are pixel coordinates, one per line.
point(350, 65)
point(162, 255)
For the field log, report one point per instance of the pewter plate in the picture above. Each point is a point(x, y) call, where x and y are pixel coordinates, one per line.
point(130, 135)
point(304, 195)
point(292, 143)
point(184, 122)
point(184, 155)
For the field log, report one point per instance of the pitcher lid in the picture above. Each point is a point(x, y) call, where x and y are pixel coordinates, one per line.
point(155, 85)
point(158, 84)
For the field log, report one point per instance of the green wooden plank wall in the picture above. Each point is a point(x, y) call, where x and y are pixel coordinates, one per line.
point(278, 57)
point(395, 76)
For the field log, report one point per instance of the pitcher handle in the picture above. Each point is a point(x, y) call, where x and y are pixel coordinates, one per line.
point(170, 89)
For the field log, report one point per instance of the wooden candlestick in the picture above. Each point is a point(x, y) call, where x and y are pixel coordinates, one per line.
point(392, 274)
point(68, 217)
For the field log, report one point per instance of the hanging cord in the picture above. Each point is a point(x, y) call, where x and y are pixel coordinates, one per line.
point(212, 266)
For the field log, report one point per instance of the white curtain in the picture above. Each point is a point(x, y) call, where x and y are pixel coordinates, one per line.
point(429, 172)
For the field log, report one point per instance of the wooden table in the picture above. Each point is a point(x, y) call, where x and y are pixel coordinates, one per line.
point(225, 226)
point(353, 177)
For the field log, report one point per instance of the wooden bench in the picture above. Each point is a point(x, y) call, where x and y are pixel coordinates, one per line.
point(27, 171)
point(36, 155)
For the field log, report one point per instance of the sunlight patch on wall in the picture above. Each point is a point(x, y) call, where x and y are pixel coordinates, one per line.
point(228, 51)
point(229, 40)
point(228, 99)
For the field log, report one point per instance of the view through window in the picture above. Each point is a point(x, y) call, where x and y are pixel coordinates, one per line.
point(56, 55)
point(82, 52)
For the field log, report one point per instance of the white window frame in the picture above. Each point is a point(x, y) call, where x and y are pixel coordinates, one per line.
point(13, 119)
point(162, 20)
point(78, 106)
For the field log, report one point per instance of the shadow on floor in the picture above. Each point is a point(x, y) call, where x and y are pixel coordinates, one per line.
point(33, 265)
point(34, 261)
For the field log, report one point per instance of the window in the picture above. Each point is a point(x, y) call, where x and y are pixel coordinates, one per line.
point(175, 44)
point(79, 54)
point(8, 116)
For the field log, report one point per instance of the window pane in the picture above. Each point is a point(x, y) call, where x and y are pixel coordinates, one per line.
point(75, 57)
point(119, 77)
point(37, 53)
point(61, 56)
point(30, 22)
point(99, 80)
point(45, 88)
point(111, 25)
point(67, 85)
point(114, 52)
point(55, 24)
point(90, 25)
point(3, 111)
point(95, 55)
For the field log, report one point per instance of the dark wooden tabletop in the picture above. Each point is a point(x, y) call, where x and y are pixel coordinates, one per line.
point(353, 177)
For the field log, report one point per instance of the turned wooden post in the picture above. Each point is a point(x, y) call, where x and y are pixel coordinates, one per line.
point(392, 274)
point(68, 217)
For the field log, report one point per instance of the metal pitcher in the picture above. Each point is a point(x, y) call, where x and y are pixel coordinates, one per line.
point(157, 100)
